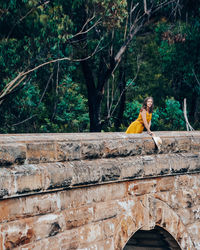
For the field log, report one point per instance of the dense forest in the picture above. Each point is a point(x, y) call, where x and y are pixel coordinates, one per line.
point(87, 65)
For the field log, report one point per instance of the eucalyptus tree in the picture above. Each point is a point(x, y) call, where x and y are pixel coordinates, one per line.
point(95, 33)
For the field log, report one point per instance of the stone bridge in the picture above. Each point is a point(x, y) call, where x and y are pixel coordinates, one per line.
point(104, 191)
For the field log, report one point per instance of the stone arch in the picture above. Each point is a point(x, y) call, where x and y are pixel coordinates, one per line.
point(151, 239)
point(144, 213)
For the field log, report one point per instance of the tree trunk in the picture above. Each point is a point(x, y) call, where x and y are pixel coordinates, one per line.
point(94, 98)
point(122, 85)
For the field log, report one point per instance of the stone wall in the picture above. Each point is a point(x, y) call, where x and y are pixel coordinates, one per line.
point(94, 191)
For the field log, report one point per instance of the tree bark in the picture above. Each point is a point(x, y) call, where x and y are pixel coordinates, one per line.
point(94, 98)
point(122, 85)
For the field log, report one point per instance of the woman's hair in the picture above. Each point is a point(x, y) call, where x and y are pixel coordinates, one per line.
point(144, 106)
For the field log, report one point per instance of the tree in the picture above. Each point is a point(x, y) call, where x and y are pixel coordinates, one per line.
point(103, 32)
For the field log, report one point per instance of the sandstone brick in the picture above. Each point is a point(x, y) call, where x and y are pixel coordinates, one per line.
point(143, 187)
point(182, 144)
point(185, 215)
point(122, 148)
point(148, 166)
point(67, 151)
point(149, 146)
point(110, 171)
point(16, 234)
point(165, 184)
point(69, 239)
point(101, 245)
point(48, 225)
point(105, 210)
point(194, 231)
point(90, 233)
point(6, 182)
point(109, 227)
point(86, 173)
point(91, 150)
point(10, 210)
point(41, 152)
point(131, 168)
point(195, 143)
point(78, 216)
point(27, 179)
point(12, 153)
point(57, 175)
point(168, 145)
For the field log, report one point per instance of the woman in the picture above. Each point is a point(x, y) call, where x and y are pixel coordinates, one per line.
point(144, 118)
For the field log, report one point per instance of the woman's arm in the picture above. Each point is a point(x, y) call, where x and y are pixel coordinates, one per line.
point(150, 124)
point(144, 118)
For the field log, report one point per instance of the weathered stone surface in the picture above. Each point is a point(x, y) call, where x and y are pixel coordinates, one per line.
point(94, 191)
point(12, 154)
point(41, 152)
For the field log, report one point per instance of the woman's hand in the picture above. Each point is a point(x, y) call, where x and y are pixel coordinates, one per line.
point(151, 133)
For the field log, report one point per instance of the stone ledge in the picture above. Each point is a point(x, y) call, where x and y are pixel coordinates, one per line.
point(46, 148)
point(48, 177)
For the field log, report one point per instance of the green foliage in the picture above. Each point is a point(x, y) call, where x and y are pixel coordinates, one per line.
point(169, 117)
point(54, 98)
point(131, 111)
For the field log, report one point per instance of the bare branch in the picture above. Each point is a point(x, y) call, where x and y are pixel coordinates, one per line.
point(24, 120)
point(22, 75)
point(81, 32)
point(188, 126)
point(145, 6)
point(196, 77)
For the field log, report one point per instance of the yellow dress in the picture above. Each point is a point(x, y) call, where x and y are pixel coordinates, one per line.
point(138, 125)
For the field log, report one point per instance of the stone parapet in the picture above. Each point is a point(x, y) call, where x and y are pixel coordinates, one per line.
point(38, 163)
point(94, 191)
point(46, 148)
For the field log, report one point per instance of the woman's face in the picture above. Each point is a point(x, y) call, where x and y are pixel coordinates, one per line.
point(149, 103)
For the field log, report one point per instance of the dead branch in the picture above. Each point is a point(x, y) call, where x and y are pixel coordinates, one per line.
point(22, 75)
point(188, 126)
point(196, 77)
point(27, 119)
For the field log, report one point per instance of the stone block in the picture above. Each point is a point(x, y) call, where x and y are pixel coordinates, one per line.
point(122, 148)
point(78, 217)
point(17, 234)
point(48, 225)
point(27, 179)
point(142, 187)
point(168, 145)
point(40, 204)
point(110, 171)
point(6, 182)
point(92, 150)
point(182, 144)
point(57, 175)
point(12, 154)
point(165, 184)
point(90, 233)
point(105, 210)
point(86, 172)
point(131, 168)
point(109, 227)
point(149, 146)
point(68, 151)
point(41, 152)
point(195, 144)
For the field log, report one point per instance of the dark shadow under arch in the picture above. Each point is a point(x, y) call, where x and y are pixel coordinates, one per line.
point(157, 239)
